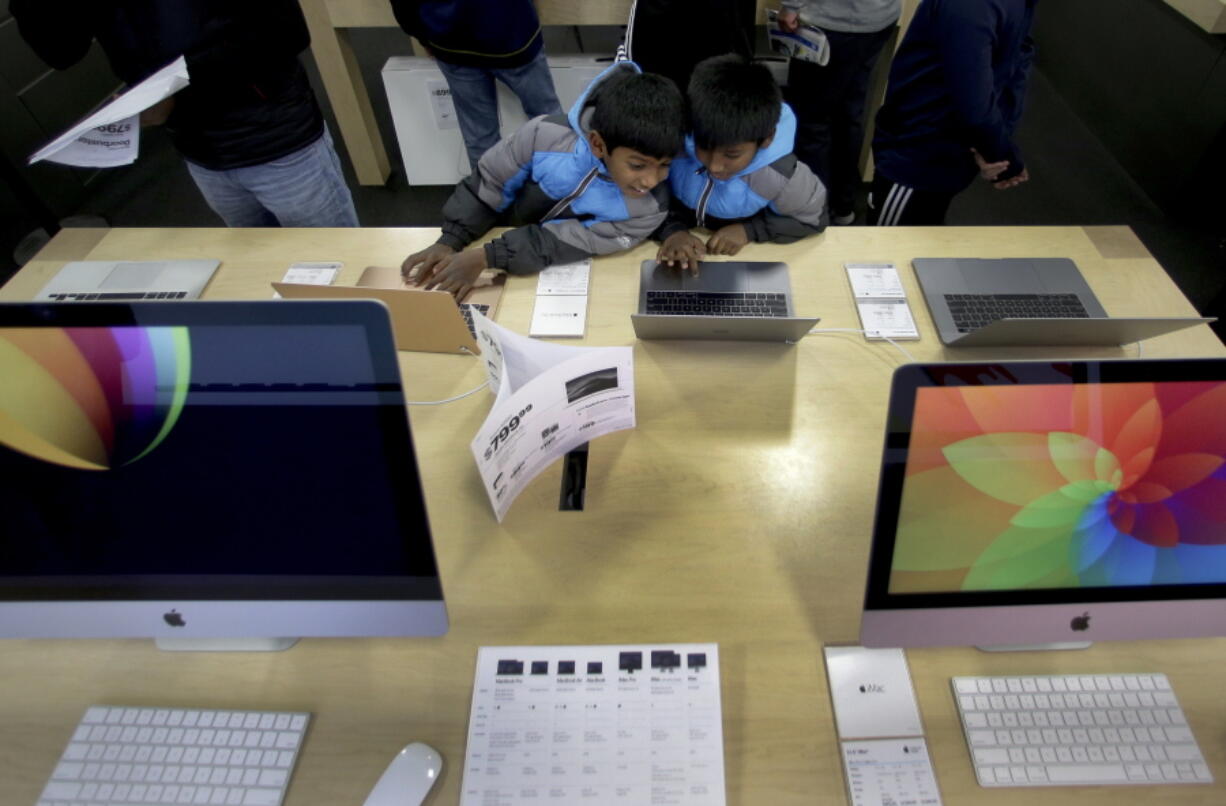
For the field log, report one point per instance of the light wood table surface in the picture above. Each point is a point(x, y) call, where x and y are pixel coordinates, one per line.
point(738, 511)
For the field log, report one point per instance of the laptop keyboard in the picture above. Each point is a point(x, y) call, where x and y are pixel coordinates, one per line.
point(114, 296)
point(717, 303)
point(973, 311)
point(466, 310)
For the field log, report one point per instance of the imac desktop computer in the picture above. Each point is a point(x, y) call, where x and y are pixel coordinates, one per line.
point(209, 474)
point(1038, 503)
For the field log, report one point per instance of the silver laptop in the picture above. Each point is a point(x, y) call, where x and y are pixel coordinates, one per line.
point(1000, 302)
point(728, 300)
point(125, 280)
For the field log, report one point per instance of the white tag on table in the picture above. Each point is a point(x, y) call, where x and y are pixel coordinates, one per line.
point(881, 301)
point(311, 273)
point(890, 772)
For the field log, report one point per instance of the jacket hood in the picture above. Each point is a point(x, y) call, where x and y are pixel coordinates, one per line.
point(580, 113)
point(780, 146)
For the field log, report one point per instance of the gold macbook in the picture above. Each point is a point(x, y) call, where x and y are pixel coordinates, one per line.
point(422, 321)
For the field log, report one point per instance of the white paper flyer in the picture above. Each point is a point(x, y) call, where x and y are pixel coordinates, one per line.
point(550, 400)
point(111, 136)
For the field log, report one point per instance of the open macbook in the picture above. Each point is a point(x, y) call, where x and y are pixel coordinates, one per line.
point(423, 321)
point(1001, 302)
point(128, 280)
point(728, 300)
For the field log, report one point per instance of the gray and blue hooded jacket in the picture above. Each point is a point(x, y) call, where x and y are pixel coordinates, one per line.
point(776, 196)
point(545, 181)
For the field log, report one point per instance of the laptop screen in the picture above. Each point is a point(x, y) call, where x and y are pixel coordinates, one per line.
point(1041, 481)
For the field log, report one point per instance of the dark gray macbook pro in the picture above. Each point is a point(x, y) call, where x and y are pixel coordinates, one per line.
point(1000, 302)
point(728, 300)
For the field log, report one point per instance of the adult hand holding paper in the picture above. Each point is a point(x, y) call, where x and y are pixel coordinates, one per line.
point(111, 136)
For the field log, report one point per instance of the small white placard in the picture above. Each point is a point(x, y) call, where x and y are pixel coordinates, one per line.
point(558, 316)
point(563, 280)
point(887, 318)
point(442, 105)
point(872, 694)
point(316, 273)
point(874, 280)
point(890, 772)
point(881, 301)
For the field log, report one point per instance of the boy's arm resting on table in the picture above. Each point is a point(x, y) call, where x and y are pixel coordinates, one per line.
point(798, 203)
point(56, 30)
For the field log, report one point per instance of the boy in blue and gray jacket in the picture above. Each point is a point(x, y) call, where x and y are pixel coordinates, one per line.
point(573, 187)
point(738, 176)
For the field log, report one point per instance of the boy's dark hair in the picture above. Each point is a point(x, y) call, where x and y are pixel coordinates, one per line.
point(642, 111)
point(732, 101)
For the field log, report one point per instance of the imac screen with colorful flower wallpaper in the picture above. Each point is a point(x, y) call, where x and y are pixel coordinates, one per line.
point(207, 472)
point(1032, 503)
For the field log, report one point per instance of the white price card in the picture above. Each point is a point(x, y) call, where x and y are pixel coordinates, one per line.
point(565, 279)
point(623, 724)
point(558, 316)
point(881, 301)
point(890, 772)
point(312, 273)
point(887, 318)
point(874, 281)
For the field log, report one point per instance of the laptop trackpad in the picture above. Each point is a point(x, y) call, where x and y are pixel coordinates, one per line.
point(132, 275)
point(1001, 276)
point(715, 277)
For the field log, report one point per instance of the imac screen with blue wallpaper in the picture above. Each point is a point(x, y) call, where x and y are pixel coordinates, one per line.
point(1036, 502)
point(209, 470)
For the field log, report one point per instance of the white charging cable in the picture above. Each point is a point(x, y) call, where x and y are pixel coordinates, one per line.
point(822, 330)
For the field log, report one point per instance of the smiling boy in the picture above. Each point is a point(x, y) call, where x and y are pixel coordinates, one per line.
point(591, 183)
point(738, 176)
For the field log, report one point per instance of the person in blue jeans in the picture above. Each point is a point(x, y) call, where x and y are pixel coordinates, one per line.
point(478, 42)
point(248, 125)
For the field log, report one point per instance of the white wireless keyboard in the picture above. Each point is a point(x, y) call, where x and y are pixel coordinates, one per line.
point(122, 755)
point(1071, 730)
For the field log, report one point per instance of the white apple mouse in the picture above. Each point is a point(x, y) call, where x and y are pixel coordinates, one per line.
point(409, 778)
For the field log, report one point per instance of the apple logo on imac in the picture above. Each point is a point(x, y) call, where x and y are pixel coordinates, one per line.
point(1080, 623)
point(175, 619)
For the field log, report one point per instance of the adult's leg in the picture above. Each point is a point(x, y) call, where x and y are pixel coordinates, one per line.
point(304, 189)
point(891, 204)
point(476, 107)
point(533, 85)
point(859, 54)
point(226, 194)
point(809, 91)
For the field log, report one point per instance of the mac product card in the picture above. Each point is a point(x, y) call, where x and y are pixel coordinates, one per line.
point(872, 694)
